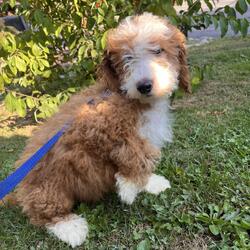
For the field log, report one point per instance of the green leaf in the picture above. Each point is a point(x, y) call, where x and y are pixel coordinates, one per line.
point(3, 41)
point(47, 108)
point(34, 67)
point(104, 40)
point(215, 22)
point(59, 30)
point(234, 25)
point(194, 7)
point(144, 245)
point(244, 24)
point(101, 12)
point(223, 25)
point(173, 20)
point(12, 3)
point(44, 62)
point(21, 107)
point(81, 51)
point(12, 40)
point(230, 216)
point(245, 224)
point(71, 90)
point(241, 6)
point(36, 50)
point(209, 5)
point(169, 9)
point(40, 115)
point(6, 78)
point(12, 66)
point(100, 18)
point(20, 64)
point(23, 82)
point(46, 73)
point(230, 11)
point(46, 50)
point(203, 217)
point(214, 229)
point(76, 5)
point(93, 53)
point(24, 57)
point(30, 102)
point(7, 42)
point(207, 20)
point(10, 102)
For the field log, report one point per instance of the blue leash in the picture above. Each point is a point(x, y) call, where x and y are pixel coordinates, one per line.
point(8, 184)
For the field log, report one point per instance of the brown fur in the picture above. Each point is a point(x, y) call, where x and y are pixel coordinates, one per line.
point(102, 140)
point(184, 81)
point(81, 166)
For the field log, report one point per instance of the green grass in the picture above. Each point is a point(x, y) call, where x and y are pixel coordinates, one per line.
point(207, 165)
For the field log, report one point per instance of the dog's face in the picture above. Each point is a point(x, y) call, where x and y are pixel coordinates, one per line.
point(147, 56)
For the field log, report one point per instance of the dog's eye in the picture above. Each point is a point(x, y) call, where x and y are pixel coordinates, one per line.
point(128, 58)
point(157, 51)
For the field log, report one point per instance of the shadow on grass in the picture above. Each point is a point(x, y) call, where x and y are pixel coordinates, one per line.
point(17, 122)
point(12, 121)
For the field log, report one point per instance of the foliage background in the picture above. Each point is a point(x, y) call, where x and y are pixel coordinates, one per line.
point(41, 67)
point(208, 206)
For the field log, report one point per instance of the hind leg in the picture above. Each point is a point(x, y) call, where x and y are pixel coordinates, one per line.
point(71, 229)
point(51, 206)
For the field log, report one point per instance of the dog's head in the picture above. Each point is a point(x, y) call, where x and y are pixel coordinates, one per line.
point(145, 58)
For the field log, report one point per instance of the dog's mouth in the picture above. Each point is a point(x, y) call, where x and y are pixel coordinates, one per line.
point(123, 91)
point(146, 97)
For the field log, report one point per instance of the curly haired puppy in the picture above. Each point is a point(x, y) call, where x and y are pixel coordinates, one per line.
point(117, 131)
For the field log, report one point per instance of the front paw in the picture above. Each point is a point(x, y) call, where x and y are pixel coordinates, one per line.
point(127, 190)
point(156, 184)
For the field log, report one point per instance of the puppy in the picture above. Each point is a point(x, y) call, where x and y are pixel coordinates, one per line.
point(117, 129)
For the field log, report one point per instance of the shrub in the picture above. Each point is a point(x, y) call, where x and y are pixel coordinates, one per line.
point(41, 67)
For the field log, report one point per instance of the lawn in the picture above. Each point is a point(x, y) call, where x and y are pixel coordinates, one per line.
point(208, 206)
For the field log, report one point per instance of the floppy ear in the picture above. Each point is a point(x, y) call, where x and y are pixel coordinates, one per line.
point(184, 78)
point(107, 74)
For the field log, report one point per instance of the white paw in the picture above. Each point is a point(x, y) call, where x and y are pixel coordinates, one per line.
point(127, 190)
point(157, 184)
point(72, 231)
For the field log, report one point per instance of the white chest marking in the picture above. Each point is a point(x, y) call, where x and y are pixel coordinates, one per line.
point(155, 124)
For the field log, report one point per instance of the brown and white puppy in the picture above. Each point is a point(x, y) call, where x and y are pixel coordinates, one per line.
point(118, 128)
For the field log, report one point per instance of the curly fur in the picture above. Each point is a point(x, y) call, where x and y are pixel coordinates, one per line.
point(113, 141)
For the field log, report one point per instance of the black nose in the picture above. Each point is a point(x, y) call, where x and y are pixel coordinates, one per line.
point(144, 86)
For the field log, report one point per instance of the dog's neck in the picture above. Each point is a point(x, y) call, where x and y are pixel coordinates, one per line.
point(155, 123)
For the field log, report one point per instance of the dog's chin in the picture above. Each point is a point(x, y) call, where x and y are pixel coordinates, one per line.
point(146, 98)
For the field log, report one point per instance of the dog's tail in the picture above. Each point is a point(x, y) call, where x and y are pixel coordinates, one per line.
point(8, 200)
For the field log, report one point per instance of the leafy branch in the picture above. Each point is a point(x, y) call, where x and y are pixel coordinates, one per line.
point(58, 55)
